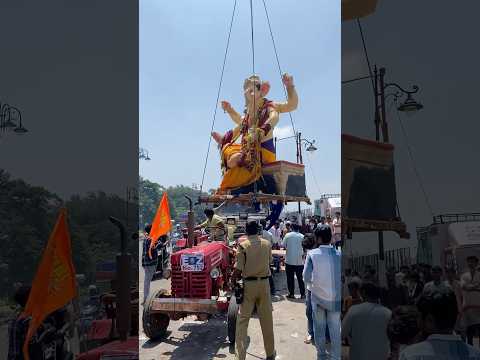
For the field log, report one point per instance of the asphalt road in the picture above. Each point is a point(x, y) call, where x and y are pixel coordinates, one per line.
point(189, 339)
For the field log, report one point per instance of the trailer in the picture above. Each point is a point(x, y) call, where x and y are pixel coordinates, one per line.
point(449, 240)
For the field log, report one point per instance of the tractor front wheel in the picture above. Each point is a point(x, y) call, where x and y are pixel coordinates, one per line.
point(154, 324)
point(232, 320)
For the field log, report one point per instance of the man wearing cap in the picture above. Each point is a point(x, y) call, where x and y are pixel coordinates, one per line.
point(253, 266)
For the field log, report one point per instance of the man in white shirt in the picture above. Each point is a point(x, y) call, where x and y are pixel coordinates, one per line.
point(438, 310)
point(292, 242)
point(277, 235)
point(365, 326)
point(437, 283)
point(337, 228)
point(322, 274)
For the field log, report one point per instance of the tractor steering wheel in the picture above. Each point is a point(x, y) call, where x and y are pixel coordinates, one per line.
point(220, 232)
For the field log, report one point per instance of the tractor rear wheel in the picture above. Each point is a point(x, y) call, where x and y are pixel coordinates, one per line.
point(232, 320)
point(154, 324)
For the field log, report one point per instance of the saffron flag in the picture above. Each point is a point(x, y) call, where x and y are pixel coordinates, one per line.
point(162, 222)
point(356, 9)
point(54, 284)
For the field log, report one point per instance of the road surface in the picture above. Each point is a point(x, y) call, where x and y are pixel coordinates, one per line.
point(189, 339)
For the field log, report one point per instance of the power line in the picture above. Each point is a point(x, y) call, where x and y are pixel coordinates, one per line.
point(366, 55)
point(278, 61)
point(414, 166)
point(218, 95)
point(313, 173)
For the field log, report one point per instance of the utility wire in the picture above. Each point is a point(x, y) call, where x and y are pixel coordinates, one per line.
point(366, 55)
point(218, 95)
point(414, 166)
point(278, 61)
point(313, 173)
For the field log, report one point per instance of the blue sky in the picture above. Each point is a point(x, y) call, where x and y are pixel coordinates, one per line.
point(182, 45)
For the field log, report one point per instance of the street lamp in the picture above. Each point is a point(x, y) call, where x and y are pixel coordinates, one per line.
point(143, 154)
point(11, 120)
point(309, 145)
point(409, 106)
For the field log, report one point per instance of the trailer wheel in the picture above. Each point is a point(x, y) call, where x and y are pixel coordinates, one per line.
point(154, 324)
point(232, 319)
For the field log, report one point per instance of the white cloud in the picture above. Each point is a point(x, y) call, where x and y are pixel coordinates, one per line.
point(281, 132)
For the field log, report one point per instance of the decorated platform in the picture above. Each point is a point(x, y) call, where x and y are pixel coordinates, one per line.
point(249, 197)
point(368, 187)
point(280, 181)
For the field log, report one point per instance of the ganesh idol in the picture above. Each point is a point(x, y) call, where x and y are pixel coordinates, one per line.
point(249, 145)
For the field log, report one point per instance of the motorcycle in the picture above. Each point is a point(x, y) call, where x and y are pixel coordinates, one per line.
point(54, 343)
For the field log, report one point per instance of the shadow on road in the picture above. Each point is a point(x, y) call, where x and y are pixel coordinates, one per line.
point(281, 289)
point(202, 340)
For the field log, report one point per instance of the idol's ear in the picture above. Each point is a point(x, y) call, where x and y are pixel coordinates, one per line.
point(265, 88)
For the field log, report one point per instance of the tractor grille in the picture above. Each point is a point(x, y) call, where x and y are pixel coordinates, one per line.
point(190, 284)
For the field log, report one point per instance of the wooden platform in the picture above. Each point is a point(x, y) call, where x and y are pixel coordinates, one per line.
point(248, 198)
point(364, 225)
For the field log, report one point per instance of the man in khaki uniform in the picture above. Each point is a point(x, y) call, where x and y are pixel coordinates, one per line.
point(215, 225)
point(253, 266)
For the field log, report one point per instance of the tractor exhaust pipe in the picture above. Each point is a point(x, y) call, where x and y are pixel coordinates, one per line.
point(190, 223)
point(122, 284)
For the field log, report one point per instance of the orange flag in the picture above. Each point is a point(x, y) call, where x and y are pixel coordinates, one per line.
point(162, 222)
point(54, 284)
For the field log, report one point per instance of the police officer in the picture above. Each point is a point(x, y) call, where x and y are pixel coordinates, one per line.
point(253, 266)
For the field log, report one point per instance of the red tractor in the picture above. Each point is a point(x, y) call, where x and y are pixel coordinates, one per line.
point(200, 285)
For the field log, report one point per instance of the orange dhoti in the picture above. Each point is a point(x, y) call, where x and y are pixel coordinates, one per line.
point(241, 176)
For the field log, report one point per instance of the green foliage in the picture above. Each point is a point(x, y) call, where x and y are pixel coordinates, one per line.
point(150, 194)
point(27, 216)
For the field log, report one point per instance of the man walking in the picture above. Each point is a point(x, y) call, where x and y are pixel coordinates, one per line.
point(470, 283)
point(322, 273)
point(292, 242)
point(149, 263)
point(253, 266)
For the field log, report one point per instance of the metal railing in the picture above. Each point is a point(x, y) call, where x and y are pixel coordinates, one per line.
point(453, 218)
point(394, 259)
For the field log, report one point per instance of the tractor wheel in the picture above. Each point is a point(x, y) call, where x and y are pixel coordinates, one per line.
point(154, 324)
point(232, 319)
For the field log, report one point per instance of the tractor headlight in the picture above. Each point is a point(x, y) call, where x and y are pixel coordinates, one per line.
point(215, 273)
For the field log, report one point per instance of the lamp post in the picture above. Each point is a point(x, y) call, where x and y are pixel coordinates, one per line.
point(11, 120)
point(131, 194)
point(309, 146)
point(409, 106)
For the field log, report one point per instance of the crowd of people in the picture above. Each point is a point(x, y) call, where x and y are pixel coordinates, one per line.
point(422, 312)
point(312, 256)
point(415, 312)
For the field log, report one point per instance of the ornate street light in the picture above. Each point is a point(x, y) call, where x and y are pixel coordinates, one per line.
point(143, 154)
point(11, 120)
point(310, 148)
point(309, 145)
